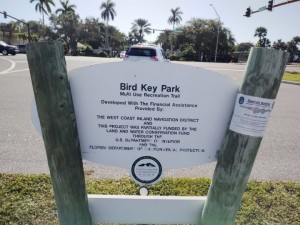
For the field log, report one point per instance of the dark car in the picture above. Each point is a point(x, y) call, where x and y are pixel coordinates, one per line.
point(6, 49)
point(21, 48)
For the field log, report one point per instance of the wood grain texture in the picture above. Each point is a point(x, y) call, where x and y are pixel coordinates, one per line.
point(57, 117)
point(262, 79)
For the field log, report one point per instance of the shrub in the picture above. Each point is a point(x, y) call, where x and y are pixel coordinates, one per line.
point(85, 50)
point(174, 57)
point(102, 54)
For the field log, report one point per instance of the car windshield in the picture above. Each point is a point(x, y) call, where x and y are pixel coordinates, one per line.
point(148, 52)
point(3, 43)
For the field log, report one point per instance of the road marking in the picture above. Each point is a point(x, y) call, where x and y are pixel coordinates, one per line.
point(240, 70)
point(21, 61)
point(14, 71)
point(13, 64)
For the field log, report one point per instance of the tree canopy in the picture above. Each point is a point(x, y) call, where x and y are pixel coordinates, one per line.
point(261, 33)
point(175, 17)
point(66, 7)
point(43, 6)
point(194, 40)
point(141, 27)
point(108, 12)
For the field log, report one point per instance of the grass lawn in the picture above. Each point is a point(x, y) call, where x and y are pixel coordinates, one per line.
point(28, 199)
point(291, 76)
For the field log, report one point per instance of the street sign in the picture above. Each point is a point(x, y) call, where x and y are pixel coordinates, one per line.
point(262, 9)
point(178, 31)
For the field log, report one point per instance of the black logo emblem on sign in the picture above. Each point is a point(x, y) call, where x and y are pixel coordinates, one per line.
point(241, 100)
point(147, 164)
point(146, 170)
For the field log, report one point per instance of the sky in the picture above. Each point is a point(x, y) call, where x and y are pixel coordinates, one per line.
point(282, 23)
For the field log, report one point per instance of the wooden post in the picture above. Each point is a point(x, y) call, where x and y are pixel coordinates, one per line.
point(262, 79)
point(57, 117)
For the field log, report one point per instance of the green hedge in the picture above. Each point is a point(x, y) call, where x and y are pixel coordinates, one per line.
point(28, 199)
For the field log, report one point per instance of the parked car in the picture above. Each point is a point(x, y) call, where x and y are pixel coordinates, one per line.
point(146, 52)
point(122, 54)
point(6, 49)
point(21, 48)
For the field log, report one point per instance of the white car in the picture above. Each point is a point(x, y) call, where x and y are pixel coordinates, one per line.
point(122, 54)
point(146, 52)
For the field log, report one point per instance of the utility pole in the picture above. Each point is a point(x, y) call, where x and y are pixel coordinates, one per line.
point(219, 20)
point(28, 27)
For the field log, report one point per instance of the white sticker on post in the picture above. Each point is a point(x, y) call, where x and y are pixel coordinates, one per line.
point(251, 115)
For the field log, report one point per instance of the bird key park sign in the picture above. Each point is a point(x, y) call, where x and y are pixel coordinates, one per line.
point(149, 116)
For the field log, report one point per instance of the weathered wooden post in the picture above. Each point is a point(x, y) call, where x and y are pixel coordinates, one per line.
point(55, 108)
point(262, 79)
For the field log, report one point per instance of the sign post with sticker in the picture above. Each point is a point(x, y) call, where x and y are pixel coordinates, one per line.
point(249, 121)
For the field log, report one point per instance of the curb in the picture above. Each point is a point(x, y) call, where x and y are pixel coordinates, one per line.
point(291, 82)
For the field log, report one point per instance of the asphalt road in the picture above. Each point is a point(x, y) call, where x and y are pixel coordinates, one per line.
point(22, 149)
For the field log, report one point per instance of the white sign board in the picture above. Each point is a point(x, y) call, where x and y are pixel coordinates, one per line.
point(150, 114)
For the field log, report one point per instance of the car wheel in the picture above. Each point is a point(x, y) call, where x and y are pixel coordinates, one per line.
point(13, 53)
point(4, 52)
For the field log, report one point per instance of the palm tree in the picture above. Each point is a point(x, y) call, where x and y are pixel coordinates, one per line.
point(65, 7)
point(108, 12)
point(43, 6)
point(261, 33)
point(175, 18)
point(141, 27)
